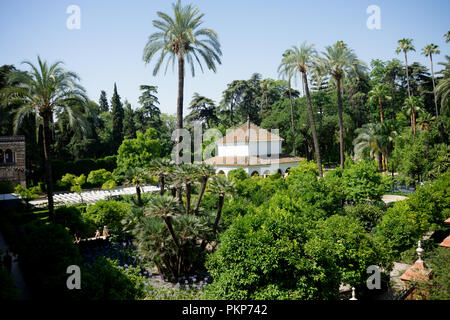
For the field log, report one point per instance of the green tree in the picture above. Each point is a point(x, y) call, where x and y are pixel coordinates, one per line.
point(338, 60)
point(129, 128)
point(139, 152)
point(103, 102)
point(203, 109)
point(181, 38)
point(117, 118)
point(443, 87)
point(75, 183)
point(300, 59)
point(40, 92)
point(379, 93)
point(428, 51)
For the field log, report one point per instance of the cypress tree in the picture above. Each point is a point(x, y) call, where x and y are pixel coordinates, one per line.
point(117, 118)
point(129, 128)
point(103, 102)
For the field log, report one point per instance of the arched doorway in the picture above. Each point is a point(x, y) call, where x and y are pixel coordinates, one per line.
point(9, 156)
point(255, 173)
point(266, 173)
point(221, 172)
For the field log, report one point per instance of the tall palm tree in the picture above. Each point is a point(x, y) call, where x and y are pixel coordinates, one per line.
point(40, 92)
point(379, 93)
point(447, 37)
point(428, 51)
point(411, 106)
point(222, 187)
point(300, 59)
point(286, 72)
point(338, 61)
point(204, 171)
point(405, 45)
point(182, 38)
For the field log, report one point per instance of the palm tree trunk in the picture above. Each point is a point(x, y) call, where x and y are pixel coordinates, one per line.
point(202, 191)
point(292, 119)
point(381, 109)
point(312, 123)
point(407, 75)
point(48, 166)
point(341, 125)
point(138, 194)
point(434, 88)
point(219, 212)
point(188, 198)
point(180, 102)
point(161, 185)
point(170, 228)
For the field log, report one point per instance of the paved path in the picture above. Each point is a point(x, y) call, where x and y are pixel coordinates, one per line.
point(90, 196)
point(387, 198)
point(16, 273)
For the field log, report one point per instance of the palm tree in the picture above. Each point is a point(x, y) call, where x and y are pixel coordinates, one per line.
point(425, 121)
point(443, 87)
point(181, 37)
point(165, 207)
point(429, 50)
point(137, 177)
point(447, 37)
point(300, 59)
point(222, 187)
point(204, 171)
point(405, 45)
point(338, 61)
point(43, 90)
point(410, 107)
point(286, 72)
point(161, 168)
point(377, 94)
point(186, 174)
point(367, 142)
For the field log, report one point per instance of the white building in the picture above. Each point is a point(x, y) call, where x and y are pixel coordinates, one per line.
point(253, 149)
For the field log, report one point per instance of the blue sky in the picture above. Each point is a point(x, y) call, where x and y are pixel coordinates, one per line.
point(253, 34)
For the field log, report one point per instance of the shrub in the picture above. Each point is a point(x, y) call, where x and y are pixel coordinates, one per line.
point(237, 175)
point(408, 220)
point(361, 182)
point(261, 256)
point(108, 213)
point(72, 218)
point(47, 251)
point(105, 280)
point(99, 177)
point(367, 214)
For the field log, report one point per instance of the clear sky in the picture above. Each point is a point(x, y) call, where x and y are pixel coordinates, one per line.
point(253, 33)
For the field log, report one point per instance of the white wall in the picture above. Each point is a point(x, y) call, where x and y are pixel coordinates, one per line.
point(228, 150)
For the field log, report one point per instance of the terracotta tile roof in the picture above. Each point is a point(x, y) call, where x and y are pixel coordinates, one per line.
point(417, 272)
point(240, 134)
point(253, 161)
point(445, 243)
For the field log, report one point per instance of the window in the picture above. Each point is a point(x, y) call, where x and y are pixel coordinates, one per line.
point(8, 156)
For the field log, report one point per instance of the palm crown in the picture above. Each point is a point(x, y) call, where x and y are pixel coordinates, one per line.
point(405, 45)
point(181, 35)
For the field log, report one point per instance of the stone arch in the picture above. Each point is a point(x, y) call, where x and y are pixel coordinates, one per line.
point(280, 171)
point(266, 173)
point(255, 172)
point(9, 157)
point(221, 172)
